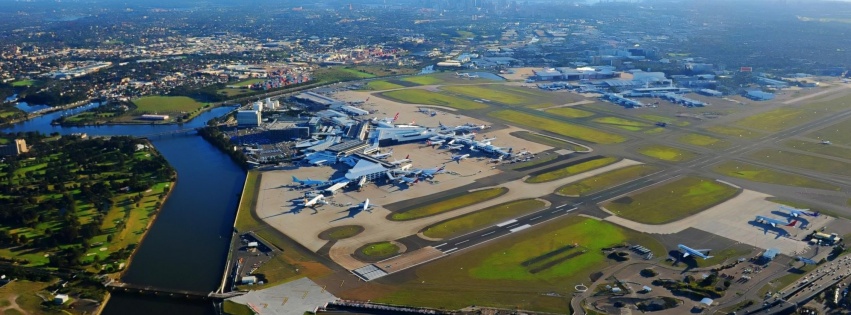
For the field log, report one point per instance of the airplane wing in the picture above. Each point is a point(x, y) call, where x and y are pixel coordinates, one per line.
point(686, 254)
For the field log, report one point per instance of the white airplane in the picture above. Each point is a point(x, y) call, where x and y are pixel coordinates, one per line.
point(793, 212)
point(308, 182)
point(825, 142)
point(459, 157)
point(429, 173)
point(382, 156)
point(318, 200)
point(405, 160)
point(455, 147)
point(434, 143)
point(687, 251)
point(409, 180)
point(365, 206)
point(488, 140)
point(775, 222)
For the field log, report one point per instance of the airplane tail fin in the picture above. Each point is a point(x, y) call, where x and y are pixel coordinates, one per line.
point(407, 156)
point(793, 223)
point(295, 179)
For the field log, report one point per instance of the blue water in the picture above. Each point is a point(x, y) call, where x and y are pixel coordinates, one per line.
point(27, 108)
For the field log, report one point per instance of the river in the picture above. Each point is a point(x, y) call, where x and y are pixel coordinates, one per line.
point(187, 245)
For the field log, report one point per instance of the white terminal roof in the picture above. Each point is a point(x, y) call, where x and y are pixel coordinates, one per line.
point(363, 168)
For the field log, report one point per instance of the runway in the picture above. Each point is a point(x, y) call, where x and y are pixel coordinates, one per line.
point(502, 229)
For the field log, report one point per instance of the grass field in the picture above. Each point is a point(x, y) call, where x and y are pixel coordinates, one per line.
point(839, 133)
point(503, 94)
point(166, 105)
point(536, 161)
point(605, 180)
point(341, 232)
point(550, 141)
point(378, 251)
point(816, 147)
point(381, 85)
point(766, 175)
point(558, 127)
point(779, 119)
point(233, 308)
point(671, 201)
point(668, 120)
point(23, 83)
point(570, 112)
point(282, 267)
point(448, 204)
point(666, 153)
point(625, 124)
point(248, 82)
point(571, 170)
point(704, 141)
point(734, 132)
point(482, 218)
point(26, 296)
point(418, 96)
point(500, 273)
point(799, 160)
point(429, 79)
point(339, 74)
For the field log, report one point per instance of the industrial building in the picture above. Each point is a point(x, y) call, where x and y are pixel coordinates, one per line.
point(757, 95)
point(248, 118)
point(316, 101)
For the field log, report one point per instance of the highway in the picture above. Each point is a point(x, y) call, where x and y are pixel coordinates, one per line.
point(503, 229)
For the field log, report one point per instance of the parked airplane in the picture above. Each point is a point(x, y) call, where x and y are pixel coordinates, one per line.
point(825, 142)
point(318, 200)
point(434, 143)
point(806, 261)
point(459, 157)
point(775, 222)
point(405, 160)
point(455, 147)
point(308, 182)
point(409, 180)
point(798, 212)
point(688, 251)
point(365, 206)
point(429, 173)
point(382, 156)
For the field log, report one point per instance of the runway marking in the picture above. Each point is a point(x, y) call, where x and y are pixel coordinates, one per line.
point(440, 245)
point(461, 242)
point(520, 228)
point(506, 223)
point(450, 250)
point(488, 233)
point(595, 198)
point(535, 218)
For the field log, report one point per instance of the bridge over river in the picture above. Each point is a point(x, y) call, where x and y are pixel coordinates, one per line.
point(177, 293)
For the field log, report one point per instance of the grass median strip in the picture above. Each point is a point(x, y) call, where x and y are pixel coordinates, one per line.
point(570, 112)
point(666, 153)
point(766, 175)
point(703, 141)
point(671, 201)
point(605, 180)
point(482, 218)
point(558, 127)
point(377, 251)
point(800, 160)
point(419, 96)
point(448, 204)
point(571, 170)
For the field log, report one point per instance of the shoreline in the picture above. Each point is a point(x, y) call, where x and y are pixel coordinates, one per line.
point(140, 123)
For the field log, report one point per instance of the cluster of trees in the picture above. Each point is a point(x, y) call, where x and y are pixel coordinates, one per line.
point(218, 139)
point(64, 175)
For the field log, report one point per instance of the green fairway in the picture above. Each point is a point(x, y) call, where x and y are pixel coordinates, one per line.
point(424, 79)
point(482, 218)
point(558, 127)
point(570, 112)
point(625, 124)
point(341, 232)
point(377, 251)
point(608, 179)
point(703, 141)
point(550, 141)
point(766, 175)
point(571, 170)
point(448, 204)
point(511, 272)
point(671, 201)
point(418, 96)
point(800, 160)
point(382, 85)
point(23, 83)
point(734, 132)
point(779, 119)
point(165, 105)
point(666, 153)
point(668, 120)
